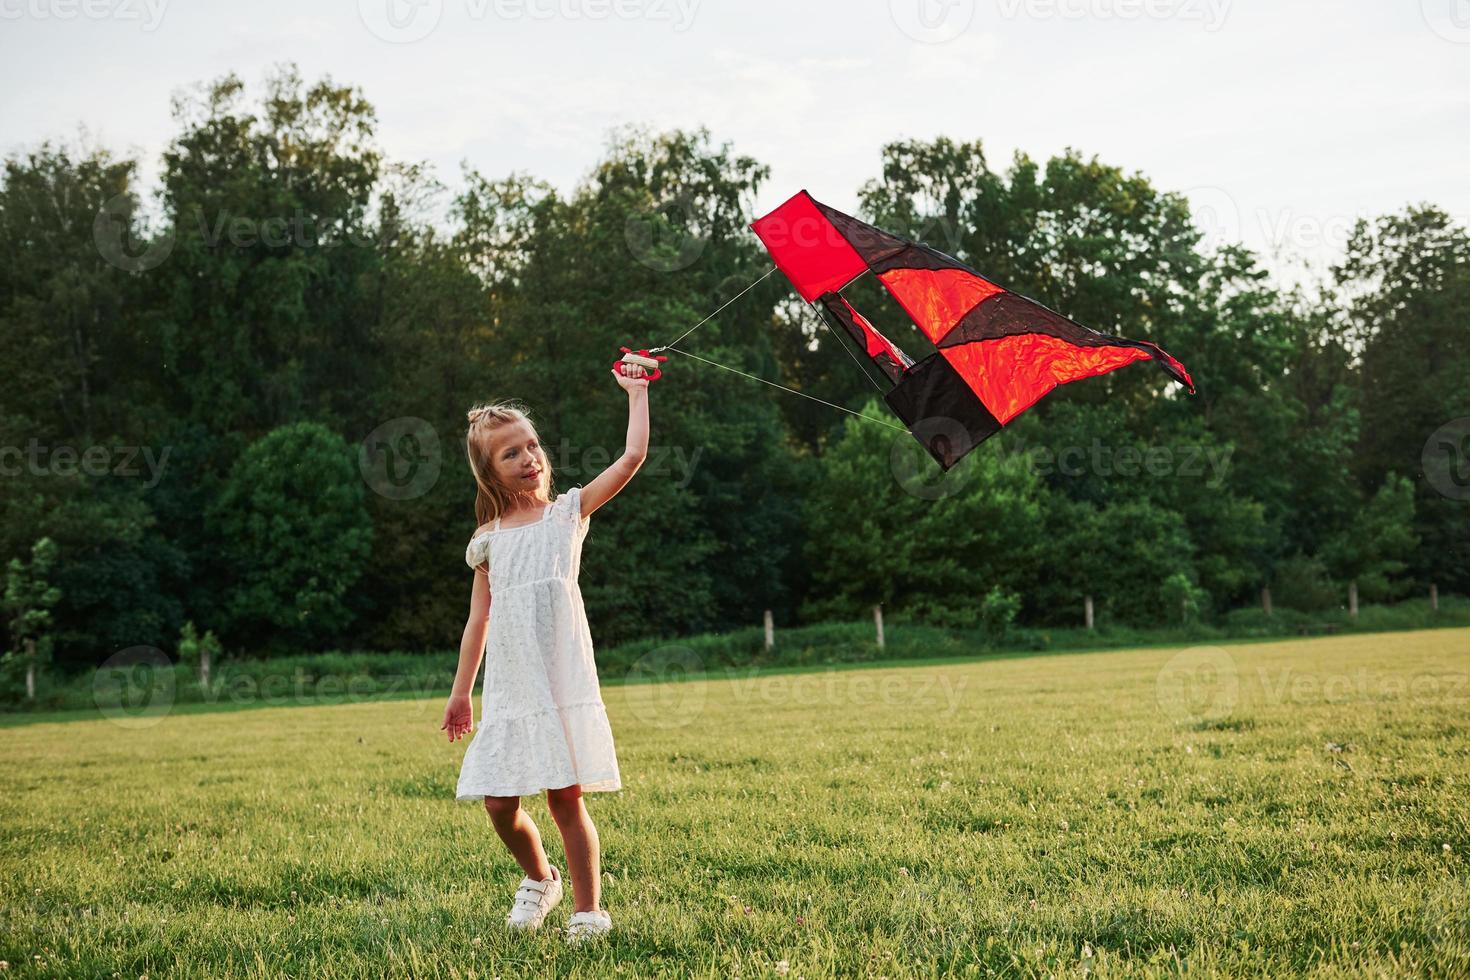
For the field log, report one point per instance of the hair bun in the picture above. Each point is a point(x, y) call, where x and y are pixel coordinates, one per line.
point(495, 413)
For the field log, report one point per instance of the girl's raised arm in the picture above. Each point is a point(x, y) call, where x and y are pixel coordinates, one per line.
point(606, 484)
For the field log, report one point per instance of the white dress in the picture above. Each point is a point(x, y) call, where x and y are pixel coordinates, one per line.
point(542, 721)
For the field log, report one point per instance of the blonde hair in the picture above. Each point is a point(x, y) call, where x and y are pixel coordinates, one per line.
point(492, 498)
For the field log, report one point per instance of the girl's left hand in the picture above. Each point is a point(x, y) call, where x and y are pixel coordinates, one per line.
point(635, 378)
point(459, 717)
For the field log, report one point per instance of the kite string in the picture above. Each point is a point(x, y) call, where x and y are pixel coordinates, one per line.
point(670, 347)
point(670, 344)
point(784, 388)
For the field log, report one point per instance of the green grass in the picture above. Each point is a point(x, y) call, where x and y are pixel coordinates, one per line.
point(1272, 809)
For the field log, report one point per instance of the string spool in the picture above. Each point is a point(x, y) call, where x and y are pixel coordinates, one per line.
point(644, 359)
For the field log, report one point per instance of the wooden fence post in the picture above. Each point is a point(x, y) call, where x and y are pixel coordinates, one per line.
point(1087, 610)
point(1353, 600)
point(878, 622)
point(1434, 597)
point(1266, 599)
point(770, 630)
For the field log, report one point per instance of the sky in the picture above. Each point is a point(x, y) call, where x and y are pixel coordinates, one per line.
point(1281, 120)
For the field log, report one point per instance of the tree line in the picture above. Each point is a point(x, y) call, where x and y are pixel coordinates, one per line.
point(240, 403)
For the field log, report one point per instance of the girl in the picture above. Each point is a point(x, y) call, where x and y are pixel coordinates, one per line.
point(542, 721)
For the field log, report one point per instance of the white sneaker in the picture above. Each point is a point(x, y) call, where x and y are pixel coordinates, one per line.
point(586, 925)
point(533, 900)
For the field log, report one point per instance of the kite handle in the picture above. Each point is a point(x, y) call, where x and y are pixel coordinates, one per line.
point(643, 359)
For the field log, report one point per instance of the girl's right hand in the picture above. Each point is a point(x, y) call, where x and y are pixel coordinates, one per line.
point(459, 716)
point(631, 377)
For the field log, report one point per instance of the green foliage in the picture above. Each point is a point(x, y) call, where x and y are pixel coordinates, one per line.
point(1374, 548)
point(290, 272)
point(885, 530)
point(998, 614)
point(272, 268)
point(1183, 600)
point(294, 534)
point(1302, 582)
point(82, 430)
point(28, 600)
point(1405, 285)
point(1120, 554)
point(640, 248)
point(28, 595)
point(193, 648)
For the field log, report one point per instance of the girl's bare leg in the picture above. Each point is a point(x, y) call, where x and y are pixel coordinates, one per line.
point(519, 832)
point(579, 838)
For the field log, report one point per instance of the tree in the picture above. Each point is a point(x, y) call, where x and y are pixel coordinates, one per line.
point(885, 529)
point(28, 601)
point(1405, 282)
point(83, 443)
point(1375, 548)
point(199, 652)
point(634, 255)
point(292, 274)
point(262, 317)
point(1122, 554)
point(1302, 582)
point(1182, 599)
point(294, 534)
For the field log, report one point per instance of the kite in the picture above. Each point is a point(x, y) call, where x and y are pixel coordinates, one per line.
point(997, 352)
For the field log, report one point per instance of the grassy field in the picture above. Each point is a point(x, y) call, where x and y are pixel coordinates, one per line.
point(1276, 809)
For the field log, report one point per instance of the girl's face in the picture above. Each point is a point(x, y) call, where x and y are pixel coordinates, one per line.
point(516, 454)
